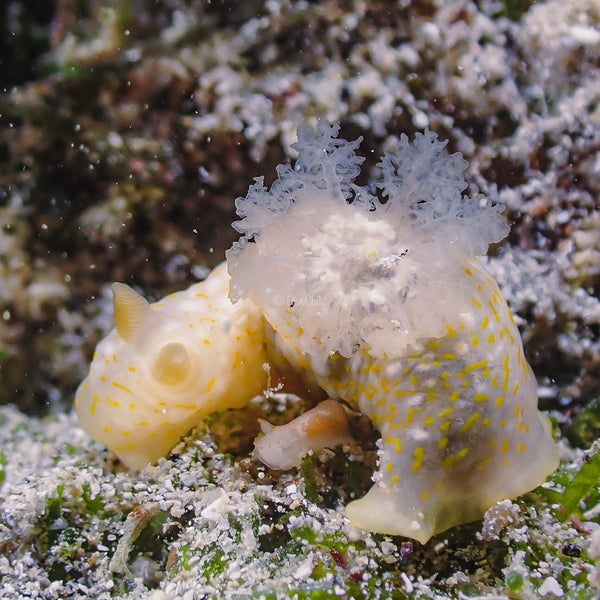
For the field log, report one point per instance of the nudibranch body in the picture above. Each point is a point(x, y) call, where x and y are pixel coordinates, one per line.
point(283, 446)
point(458, 419)
point(385, 302)
point(168, 365)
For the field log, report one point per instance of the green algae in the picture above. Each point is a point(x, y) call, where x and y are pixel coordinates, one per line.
point(3, 463)
point(54, 506)
point(584, 429)
point(277, 529)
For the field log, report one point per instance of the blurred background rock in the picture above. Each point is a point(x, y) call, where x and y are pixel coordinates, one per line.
point(128, 128)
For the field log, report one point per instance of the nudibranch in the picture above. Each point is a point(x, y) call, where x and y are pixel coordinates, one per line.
point(382, 297)
point(283, 446)
point(166, 366)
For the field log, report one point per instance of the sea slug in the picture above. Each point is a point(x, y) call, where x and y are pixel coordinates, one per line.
point(382, 298)
point(168, 365)
point(283, 446)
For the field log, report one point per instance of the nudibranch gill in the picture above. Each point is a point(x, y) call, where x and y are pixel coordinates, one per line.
point(166, 366)
point(382, 298)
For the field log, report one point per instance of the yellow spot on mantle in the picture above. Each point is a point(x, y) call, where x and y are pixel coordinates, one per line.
point(479, 365)
point(506, 372)
point(419, 456)
point(450, 461)
point(471, 421)
point(210, 385)
point(496, 315)
point(390, 440)
point(118, 385)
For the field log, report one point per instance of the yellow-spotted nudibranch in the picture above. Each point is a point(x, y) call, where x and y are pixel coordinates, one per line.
point(168, 365)
point(382, 297)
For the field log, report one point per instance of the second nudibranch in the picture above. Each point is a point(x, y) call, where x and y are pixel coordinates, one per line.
point(166, 366)
point(283, 446)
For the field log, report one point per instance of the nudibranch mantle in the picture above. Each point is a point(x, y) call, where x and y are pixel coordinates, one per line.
point(387, 304)
point(168, 365)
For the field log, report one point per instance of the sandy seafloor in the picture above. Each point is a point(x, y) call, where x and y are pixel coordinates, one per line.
point(128, 128)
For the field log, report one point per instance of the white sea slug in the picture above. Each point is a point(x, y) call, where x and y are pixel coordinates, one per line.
point(385, 301)
point(283, 446)
point(168, 365)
